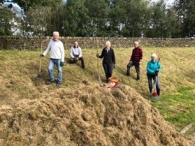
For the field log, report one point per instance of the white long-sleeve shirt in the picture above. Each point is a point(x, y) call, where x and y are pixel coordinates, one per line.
point(56, 50)
point(75, 52)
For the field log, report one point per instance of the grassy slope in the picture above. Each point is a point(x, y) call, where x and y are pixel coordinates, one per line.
point(19, 70)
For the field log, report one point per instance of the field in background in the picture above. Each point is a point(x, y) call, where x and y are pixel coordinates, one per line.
point(19, 70)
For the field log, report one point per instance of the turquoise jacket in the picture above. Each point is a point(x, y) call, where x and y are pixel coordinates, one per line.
point(152, 67)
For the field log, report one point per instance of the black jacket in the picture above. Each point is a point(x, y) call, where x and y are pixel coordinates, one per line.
point(108, 57)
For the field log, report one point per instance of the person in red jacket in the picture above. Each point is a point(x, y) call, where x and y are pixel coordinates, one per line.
point(135, 60)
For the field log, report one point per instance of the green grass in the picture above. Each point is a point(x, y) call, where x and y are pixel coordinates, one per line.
point(19, 70)
point(178, 109)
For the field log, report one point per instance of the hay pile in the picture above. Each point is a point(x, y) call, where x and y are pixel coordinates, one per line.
point(86, 115)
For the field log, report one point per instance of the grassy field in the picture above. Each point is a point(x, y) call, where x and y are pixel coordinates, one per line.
point(19, 69)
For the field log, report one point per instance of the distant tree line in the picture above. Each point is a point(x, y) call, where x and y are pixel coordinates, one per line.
point(107, 18)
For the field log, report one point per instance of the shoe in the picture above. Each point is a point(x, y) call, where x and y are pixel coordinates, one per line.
point(49, 82)
point(138, 81)
point(58, 84)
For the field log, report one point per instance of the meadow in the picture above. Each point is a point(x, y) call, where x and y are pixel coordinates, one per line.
point(19, 69)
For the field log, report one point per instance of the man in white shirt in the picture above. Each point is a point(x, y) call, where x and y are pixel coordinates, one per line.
point(76, 54)
point(56, 50)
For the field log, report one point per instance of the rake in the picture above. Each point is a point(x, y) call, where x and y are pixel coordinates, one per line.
point(40, 63)
point(154, 95)
point(99, 78)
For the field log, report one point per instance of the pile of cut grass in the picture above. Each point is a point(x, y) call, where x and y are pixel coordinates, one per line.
point(86, 115)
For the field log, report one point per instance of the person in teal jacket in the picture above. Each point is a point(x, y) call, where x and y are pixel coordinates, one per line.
point(153, 68)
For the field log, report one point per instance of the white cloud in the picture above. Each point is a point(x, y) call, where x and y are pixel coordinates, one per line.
point(166, 1)
point(15, 8)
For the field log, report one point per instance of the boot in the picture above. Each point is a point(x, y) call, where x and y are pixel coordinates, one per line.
point(128, 73)
point(158, 91)
point(150, 89)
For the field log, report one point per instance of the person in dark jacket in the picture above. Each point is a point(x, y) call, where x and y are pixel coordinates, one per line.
point(135, 60)
point(108, 60)
point(153, 67)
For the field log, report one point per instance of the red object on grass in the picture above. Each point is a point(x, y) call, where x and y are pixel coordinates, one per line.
point(154, 94)
point(116, 84)
point(113, 82)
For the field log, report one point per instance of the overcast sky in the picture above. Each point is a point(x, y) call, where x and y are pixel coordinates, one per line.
point(167, 1)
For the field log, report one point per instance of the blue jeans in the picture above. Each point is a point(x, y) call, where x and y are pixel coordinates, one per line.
point(56, 62)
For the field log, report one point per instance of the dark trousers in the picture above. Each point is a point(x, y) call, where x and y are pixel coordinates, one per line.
point(137, 68)
point(74, 60)
point(155, 79)
point(108, 67)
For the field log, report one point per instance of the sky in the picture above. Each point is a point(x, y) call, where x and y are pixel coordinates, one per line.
point(168, 2)
point(15, 7)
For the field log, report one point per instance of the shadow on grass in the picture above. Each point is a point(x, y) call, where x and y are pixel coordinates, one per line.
point(78, 63)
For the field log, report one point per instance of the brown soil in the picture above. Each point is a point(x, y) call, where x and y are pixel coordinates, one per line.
point(85, 115)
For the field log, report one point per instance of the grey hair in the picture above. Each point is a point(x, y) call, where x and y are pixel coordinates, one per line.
point(154, 55)
point(136, 42)
point(56, 32)
point(108, 43)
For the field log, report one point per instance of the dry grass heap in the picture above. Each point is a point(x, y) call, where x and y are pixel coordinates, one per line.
point(84, 115)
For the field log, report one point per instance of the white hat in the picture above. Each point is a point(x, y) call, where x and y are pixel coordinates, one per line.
point(154, 55)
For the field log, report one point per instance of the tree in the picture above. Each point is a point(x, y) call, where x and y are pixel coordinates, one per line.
point(137, 17)
point(34, 21)
point(57, 21)
point(43, 20)
point(117, 17)
point(76, 18)
point(158, 21)
point(186, 12)
point(27, 4)
point(6, 21)
point(98, 12)
point(173, 25)
point(129, 17)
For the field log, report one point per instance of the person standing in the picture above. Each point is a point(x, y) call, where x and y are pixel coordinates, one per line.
point(57, 53)
point(153, 68)
point(135, 60)
point(109, 61)
point(76, 54)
